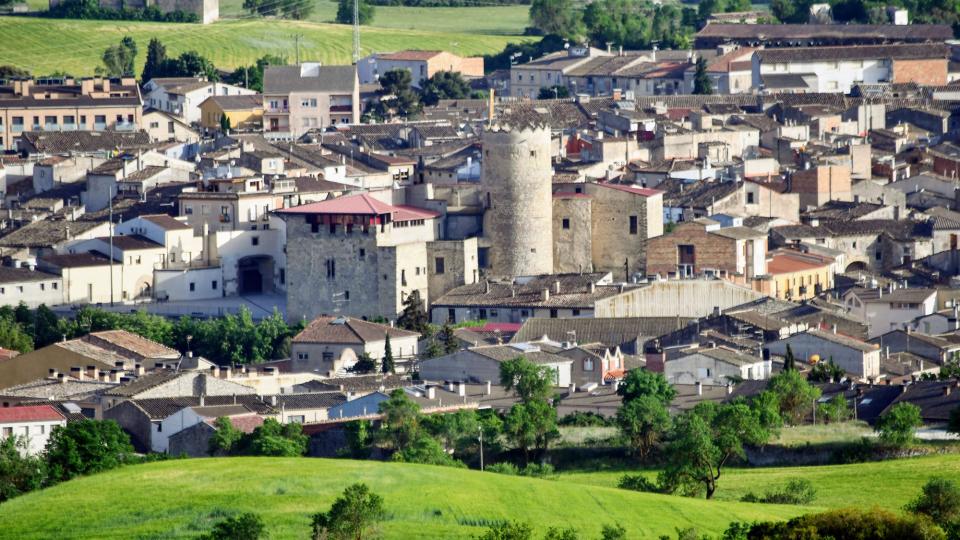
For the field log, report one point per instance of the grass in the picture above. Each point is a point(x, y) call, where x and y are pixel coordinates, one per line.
point(47, 45)
point(821, 434)
point(887, 484)
point(181, 498)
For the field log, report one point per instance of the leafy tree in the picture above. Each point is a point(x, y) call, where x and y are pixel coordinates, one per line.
point(413, 317)
point(425, 450)
point(19, 471)
point(844, 524)
point(835, 410)
point(448, 339)
point(794, 395)
point(276, 439)
point(226, 439)
point(46, 327)
point(457, 431)
point(509, 530)
point(365, 364)
point(119, 59)
point(224, 123)
point(528, 380)
point(704, 440)
point(156, 57)
point(897, 426)
point(939, 499)
point(613, 532)
point(297, 9)
point(826, 372)
point(532, 425)
point(642, 421)
point(252, 76)
point(13, 336)
point(797, 491)
point(388, 366)
point(558, 17)
point(641, 382)
point(397, 97)
point(12, 72)
point(401, 420)
point(86, 447)
point(556, 533)
point(365, 12)
point(701, 80)
point(353, 515)
point(444, 85)
point(359, 439)
point(246, 526)
point(554, 92)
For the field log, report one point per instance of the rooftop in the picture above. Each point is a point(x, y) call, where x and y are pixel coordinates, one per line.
point(347, 330)
point(363, 205)
point(33, 413)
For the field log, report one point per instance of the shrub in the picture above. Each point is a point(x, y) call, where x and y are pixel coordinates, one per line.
point(584, 419)
point(248, 526)
point(538, 470)
point(939, 499)
point(797, 491)
point(638, 482)
point(897, 427)
point(843, 524)
point(504, 467)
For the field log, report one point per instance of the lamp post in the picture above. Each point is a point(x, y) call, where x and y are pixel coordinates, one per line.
point(480, 431)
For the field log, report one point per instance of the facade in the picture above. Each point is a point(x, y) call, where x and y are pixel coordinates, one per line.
point(422, 65)
point(32, 424)
point(715, 366)
point(695, 249)
point(30, 287)
point(797, 276)
point(182, 96)
point(297, 99)
point(715, 34)
point(86, 105)
point(245, 112)
point(332, 345)
point(355, 256)
point(883, 311)
point(482, 364)
point(163, 126)
point(822, 184)
point(858, 358)
point(527, 79)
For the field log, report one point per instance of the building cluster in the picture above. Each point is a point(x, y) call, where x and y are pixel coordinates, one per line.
point(808, 207)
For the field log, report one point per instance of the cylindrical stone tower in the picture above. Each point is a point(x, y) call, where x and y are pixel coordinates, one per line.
point(517, 178)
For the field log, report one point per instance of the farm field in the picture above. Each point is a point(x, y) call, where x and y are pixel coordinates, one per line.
point(45, 46)
point(181, 498)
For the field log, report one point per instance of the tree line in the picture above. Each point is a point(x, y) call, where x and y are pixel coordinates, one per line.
point(91, 9)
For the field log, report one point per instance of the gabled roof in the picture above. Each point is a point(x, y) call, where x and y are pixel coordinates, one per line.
point(347, 330)
point(839, 339)
point(236, 103)
point(723, 354)
point(285, 79)
point(409, 55)
point(363, 205)
point(608, 331)
point(764, 32)
point(855, 52)
point(166, 222)
point(34, 413)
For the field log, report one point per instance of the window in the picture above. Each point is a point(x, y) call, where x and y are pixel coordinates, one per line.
point(346, 295)
point(328, 357)
point(303, 356)
point(576, 312)
point(566, 223)
point(283, 276)
point(588, 364)
point(440, 265)
point(7, 431)
point(43, 287)
point(633, 225)
point(452, 315)
point(193, 286)
point(482, 313)
point(295, 419)
point(363, 253)
point(255, 241)
point(553, 314)
point(154, 125)
point(54, 285)
point(213, 284)
point(170, 127)
point(750, 198)
point(159, 428)
point(331, 268)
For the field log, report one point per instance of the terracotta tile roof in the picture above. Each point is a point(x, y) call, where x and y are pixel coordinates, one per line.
point(46, 233)
point(409, 55)
point(236, 103)
point(75, 260)
point(347, 330)
point(160, 408)
point(575, 292)
point(361, 204)
point(34, 413)
point(245, 423)
point(133, 344)
point(784, 262)
point(855, 52)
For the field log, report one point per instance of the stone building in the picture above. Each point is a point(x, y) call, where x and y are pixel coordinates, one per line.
point(516, 181)
point(821, 184)
point(698, 248)
point(622, 219)
point(356, 256)
point(334, 344)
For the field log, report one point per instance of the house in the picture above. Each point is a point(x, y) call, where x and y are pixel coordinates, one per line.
point(32, 424)
point(30, 287)
point(309, 96)
point(629, 334)
point(729, 73)
point(838, 69)
point(795, 275)
point(936, 349)
point(194, 441)
point(528, 78)
point(66, 105)
point(593, 363)
point(895, 309)
point(164, 126)
point(40, 238)
point(696, 249)
point(715, 366)
point(858, 358)
point(422, 65)
point(243, 112)
point(821, 184)
point(182, 96)
point(482, 364)
point(334, 344)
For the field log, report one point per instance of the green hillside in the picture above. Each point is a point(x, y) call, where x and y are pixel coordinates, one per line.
point(75, 46)
point(179, 499)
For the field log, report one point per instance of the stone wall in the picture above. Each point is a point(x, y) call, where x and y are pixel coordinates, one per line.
point(459, 265)
point(710, 251)
point(134, 422)
point(614, 247)
point(572, 234)
point(821, 184)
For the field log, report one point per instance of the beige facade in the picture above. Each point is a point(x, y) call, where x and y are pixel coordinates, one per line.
point(297, 99)
point(572, 233)
point(623, 218)
point(820, 184)
point(422, 65)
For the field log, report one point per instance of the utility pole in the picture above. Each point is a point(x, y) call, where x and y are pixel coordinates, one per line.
point(356, 31)
point(296, 39)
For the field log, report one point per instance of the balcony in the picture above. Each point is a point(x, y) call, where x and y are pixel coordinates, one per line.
point(69, 127)
point(51, 127)
point(99, 126)
point(16, 128)
point(125, 126)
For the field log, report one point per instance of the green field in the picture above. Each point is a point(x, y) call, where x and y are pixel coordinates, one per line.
point(176, 499)
point(46, 45)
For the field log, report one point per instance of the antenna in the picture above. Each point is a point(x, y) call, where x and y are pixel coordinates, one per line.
point(356, 31)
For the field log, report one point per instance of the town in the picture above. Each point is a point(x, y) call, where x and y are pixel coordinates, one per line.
point(647, 271)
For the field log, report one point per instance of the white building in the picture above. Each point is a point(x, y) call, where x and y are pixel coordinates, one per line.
point(334, 344)
point(883, 311)
point(32, 287)
point(188, 417)
point(32, 424)
point(482, 364)
point(715, 366)
point(856, 357)
point(182, 96)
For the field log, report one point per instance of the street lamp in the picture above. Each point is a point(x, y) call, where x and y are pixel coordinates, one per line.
point(480, 431)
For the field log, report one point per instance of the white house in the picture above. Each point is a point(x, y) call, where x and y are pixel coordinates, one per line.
point(188, 417)
point(714, 366)
point(895, 309)
point(852, 355)
point(334, 344)
point(482, 364)
point(182, 96)
point(33, 424)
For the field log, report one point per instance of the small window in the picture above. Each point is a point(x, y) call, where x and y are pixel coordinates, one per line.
point(346, 295)
point(440, 265)
point(566, 223)
point(553, 314)
point(576, 312)
point(363, 253)
point(193, 286)
point(633, 225)
point(255, 241)
point(213, 284)
point(588, 364)
point(303, 356)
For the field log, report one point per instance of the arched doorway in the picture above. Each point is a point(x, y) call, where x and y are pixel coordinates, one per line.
point(255, 275)
point(856, 266)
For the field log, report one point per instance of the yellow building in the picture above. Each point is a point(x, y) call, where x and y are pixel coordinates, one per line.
point(794, 275)
point(244, 112)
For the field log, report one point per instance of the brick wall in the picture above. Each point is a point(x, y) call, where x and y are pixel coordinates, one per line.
point(711, 251)
point(932, 72)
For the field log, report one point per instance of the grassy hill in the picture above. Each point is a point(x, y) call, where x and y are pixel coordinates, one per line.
point(179, 499)
point(47, 45)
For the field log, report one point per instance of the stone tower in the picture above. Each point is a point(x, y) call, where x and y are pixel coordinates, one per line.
point(517, 178)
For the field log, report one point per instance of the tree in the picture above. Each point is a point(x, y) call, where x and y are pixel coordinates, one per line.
point(826, 372)
point(401, 420)
point(531, 425)
point(225, 439)
point(247, 526)
point(12, 72)
point(509, 530)
point(46, 327)
point(252, 76)
point(365, 12)
point(365, 364)
point(701, 80)
point(794, 395)
point(20, 472)
point(835, 410)
point(156, 57)
point(447, 339)
point(642, 421)
point(613, 532)
point(413, 317)
point(86, 447)
point(556, 533)
point(388, 366)
point(939, 499)
point(224, 123)
point(425, 450)
point(789, 362)
point(528, 380)
point(897, 426)
point(297, 9)
point(444, 85)
point(119, 59)
point(553, 92)
point(641, 382)
point(397, 96)
point(276, 439)
point(558, 17)
point(13, 336)
point(353, 515)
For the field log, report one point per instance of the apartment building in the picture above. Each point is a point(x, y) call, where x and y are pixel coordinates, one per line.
point(422, 65)
point(68, 105)
point(299, 98)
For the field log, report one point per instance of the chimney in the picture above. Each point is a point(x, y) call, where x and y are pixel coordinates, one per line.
point(489, 390)
point(699, 388)
point(115, 375)
point(593, 287)
point(572, 389)
point(61, 378)
point(225, 372)
point(106, 84)
point(215, 371)
point(450, 386)
point(202, 400)
point(271, 372)
point(461, 389)
point(431, 392)
point(77, 372)
point(834, 328)
point(946, 390)
point(350, 396)
point(119, 364)
point(729, 389)
point(903, 388)
point(138, 370)
point(273, 401)
point(556, 287)
point(545, 295)
point(52, 374)
point(93, 372)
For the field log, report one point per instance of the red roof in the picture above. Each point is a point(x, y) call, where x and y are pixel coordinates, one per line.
point(409, 55)
point(33, 413)
point(784, 263)
point(362, 205)
point(646, 192)
point(502, 326)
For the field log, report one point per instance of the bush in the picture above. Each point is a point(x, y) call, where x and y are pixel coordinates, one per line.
point(797, 491)
point(584, 419)
point(842, 524)
point(538, 470)
point(504, 467)
point(248, 526)
point(896, 428)
point(939, 499)
point(90, 9)
point(638, 482)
